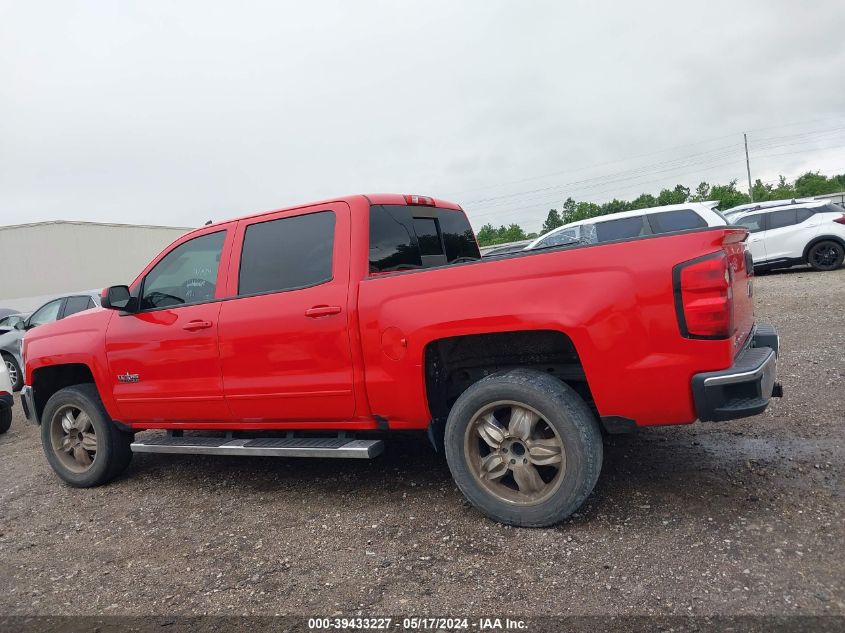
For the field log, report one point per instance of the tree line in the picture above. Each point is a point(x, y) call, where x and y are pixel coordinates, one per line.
point(805, 186)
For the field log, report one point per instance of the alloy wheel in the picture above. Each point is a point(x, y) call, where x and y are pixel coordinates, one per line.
point(73, 438)
point(514, 453)
point(825, 256)
point(13, 372)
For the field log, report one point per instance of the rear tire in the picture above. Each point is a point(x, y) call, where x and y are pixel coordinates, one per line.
point(826, 255)
point(15, 373)
point(523, 448)
point(5, 420)
point(82, 444)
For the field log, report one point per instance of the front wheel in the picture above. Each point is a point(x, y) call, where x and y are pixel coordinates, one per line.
point(82, 444)
point(523, 448)
point(5, 420)
point(826, 255)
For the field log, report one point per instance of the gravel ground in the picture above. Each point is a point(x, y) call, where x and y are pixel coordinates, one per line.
point(743, 517)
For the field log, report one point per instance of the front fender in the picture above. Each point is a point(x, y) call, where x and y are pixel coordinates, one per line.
point(77, 340)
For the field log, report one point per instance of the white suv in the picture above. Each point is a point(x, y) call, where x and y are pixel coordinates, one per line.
point(629, 224)
point(799, 233)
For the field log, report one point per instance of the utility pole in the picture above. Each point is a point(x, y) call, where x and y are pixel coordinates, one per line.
point(748, 167)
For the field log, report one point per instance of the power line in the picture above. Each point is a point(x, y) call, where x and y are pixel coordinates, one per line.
point(547, 200)
point(703, 159)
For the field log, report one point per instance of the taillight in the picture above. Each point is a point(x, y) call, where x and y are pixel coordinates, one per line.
point(704, 297)
point(840, 219)
point(423, 201)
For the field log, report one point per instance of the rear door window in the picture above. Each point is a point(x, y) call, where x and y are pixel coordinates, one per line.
point(77, 304)
point(621, 229)
point(287, 254)
point(803, 214)
point(779, 219)
point(680, 220)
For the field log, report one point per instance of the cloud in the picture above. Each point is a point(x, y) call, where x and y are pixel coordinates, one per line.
point(175, 113)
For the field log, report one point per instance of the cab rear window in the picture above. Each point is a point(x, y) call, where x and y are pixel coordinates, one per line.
point(415, 237)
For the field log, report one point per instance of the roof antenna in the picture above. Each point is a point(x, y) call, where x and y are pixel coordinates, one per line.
point(207, 223)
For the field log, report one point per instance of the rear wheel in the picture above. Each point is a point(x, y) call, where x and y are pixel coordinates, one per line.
point(15, 373)
point(523, 447)
point(82, 444)
point(5, 420)
point(826, 255)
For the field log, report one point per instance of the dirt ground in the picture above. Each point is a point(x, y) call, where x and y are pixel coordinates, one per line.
point(743, 517)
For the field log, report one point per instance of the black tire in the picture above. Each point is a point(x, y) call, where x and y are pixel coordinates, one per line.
point(15, 372)
point(112, 454)
point(5, 420)
point(826, 255)
point(562, 413)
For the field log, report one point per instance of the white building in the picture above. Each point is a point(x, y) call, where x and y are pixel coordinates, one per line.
point(45, 259)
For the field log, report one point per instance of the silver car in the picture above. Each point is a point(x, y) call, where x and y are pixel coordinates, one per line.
point(6, 399)
point(53, 310)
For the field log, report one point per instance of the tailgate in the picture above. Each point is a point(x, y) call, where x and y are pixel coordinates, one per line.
point(742, 285)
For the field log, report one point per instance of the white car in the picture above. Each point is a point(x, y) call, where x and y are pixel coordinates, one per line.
point(755, 206)
point(629, 224)
point(6, 399)
point(798, 233)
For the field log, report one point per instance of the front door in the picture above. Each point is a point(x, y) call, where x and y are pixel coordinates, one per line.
point(164, 360)
point(284, 339)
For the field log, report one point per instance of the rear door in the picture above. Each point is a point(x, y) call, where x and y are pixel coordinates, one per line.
point(284, 337)
point(781, 233)
point(789, 231)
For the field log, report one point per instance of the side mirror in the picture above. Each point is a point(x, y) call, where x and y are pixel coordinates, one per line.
point(117, 298)
point(20, 325)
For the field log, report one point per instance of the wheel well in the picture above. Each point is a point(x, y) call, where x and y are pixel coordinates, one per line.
point(821, 238)
point(48, 380)
point(454, 364)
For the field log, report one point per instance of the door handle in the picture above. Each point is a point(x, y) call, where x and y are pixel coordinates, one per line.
point(318, 311)
point(197, 325)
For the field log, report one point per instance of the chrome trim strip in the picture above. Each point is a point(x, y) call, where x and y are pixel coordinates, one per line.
point(743, 376)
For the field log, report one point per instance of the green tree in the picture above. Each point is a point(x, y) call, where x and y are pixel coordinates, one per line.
point(784, 190)
point(569, 206)
point(615, 206)
point(644, 201)
point(673, 196)
point(486, 235)
point(762, 191)
point(815, 184)
point(513, 233)
point(553, 220)
point(702, 193)
point(728, 195)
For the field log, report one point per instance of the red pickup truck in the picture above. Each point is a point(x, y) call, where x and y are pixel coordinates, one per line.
point(312, 331)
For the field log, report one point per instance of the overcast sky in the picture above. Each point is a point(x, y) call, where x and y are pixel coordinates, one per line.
point(179, 112)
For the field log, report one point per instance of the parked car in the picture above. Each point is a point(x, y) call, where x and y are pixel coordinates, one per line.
point(630, 224)
point(504, 249)
point(766, 204)
point(6, 399)
point(804, 233)
point(9, 323)
point(53, 310)
point(376, 313)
